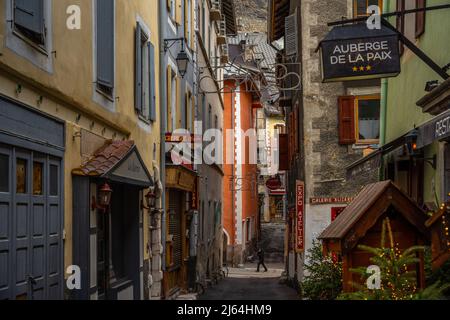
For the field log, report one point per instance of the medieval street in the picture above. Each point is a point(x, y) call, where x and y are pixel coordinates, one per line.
point(247, 284)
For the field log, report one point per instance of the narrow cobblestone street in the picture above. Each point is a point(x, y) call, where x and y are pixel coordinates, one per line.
point(247, 284)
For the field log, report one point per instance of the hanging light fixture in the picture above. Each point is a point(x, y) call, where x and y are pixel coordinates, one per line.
point(182, 62)
point(150, 199)
point(104, 198)
point(182, 57)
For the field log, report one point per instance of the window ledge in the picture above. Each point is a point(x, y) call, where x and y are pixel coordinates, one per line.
point(30, 42)
point(104, 94)
point(144, 119)
point(363, 145)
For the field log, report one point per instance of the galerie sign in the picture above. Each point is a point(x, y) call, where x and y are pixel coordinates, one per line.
point(355, 53)
point(300, 217)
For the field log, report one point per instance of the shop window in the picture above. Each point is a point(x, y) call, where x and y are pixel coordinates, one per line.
point(359, 119)
point(360, 7)
point(21, 176)
point(4, 173)
point(38, 178)
point(54, 180)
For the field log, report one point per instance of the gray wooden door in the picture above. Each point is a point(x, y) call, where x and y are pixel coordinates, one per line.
point(31, 219)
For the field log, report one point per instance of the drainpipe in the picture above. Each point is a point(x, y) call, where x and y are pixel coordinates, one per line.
point(383, 106)
point(162, 113)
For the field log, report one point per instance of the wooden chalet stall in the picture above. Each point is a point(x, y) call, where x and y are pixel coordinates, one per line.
point(440, 240)
point(361, 223)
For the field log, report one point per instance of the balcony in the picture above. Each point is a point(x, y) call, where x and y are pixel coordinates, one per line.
point(222, 35)
point(224, 57)
point(216, 10)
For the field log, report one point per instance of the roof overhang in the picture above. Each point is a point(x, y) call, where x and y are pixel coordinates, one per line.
point(367, 208)
point(438, 100)
point(118, 161)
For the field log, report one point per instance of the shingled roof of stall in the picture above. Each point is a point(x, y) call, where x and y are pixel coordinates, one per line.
point(365, 200)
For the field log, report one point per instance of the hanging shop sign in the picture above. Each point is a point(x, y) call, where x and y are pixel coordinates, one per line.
point(353, 52)
point(300, 217)
point(274, 183)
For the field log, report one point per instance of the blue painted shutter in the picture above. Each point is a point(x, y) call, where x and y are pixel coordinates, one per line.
point(152, 104)
point(138, 73)
point(29, 16)
point(105, 43)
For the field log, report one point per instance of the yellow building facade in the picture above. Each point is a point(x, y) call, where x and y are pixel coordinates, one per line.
point(51, 89)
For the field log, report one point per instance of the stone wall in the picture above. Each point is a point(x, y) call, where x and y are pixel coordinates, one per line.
point(325, 159)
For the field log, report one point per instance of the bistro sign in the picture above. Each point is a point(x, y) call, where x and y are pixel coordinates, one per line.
point(354, 52)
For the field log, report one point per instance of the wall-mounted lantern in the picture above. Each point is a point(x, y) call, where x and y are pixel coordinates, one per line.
point(411, 142)
point(104, 198)
point(150, 199)
point(182, 57)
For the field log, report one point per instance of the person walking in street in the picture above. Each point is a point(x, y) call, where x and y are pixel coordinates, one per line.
point(261, 260)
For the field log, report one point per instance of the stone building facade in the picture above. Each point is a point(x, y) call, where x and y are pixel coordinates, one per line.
point(320, 147)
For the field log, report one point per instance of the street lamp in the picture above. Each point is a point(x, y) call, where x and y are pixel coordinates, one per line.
point(411, 141)
point(182, 57)
point(182, 62)
point(150, 199)
point(104, 198)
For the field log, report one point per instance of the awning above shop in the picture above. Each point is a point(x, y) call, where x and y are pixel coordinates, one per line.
point(180, 177)
point(118, 161)
point(364, 211)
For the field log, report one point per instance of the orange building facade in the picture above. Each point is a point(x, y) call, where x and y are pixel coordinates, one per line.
point(240, 192)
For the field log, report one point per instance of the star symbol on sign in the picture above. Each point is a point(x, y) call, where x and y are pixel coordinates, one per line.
point(355, 69)
point(369, 68)
point(361, 68)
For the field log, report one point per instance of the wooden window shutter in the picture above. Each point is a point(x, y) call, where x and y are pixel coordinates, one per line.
point(296, 127)
point(291, 135)
point(420, 18)
point(105, 43)
point(186, 20)
point(29, 16)
point(138, 71)
point(400, 22)
point(152, 105)
point(347, 120)
point(178, 12)
point(178, 106)
point(283, 151)
point(169, 100)
point(192, 24)
point(291, 36)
